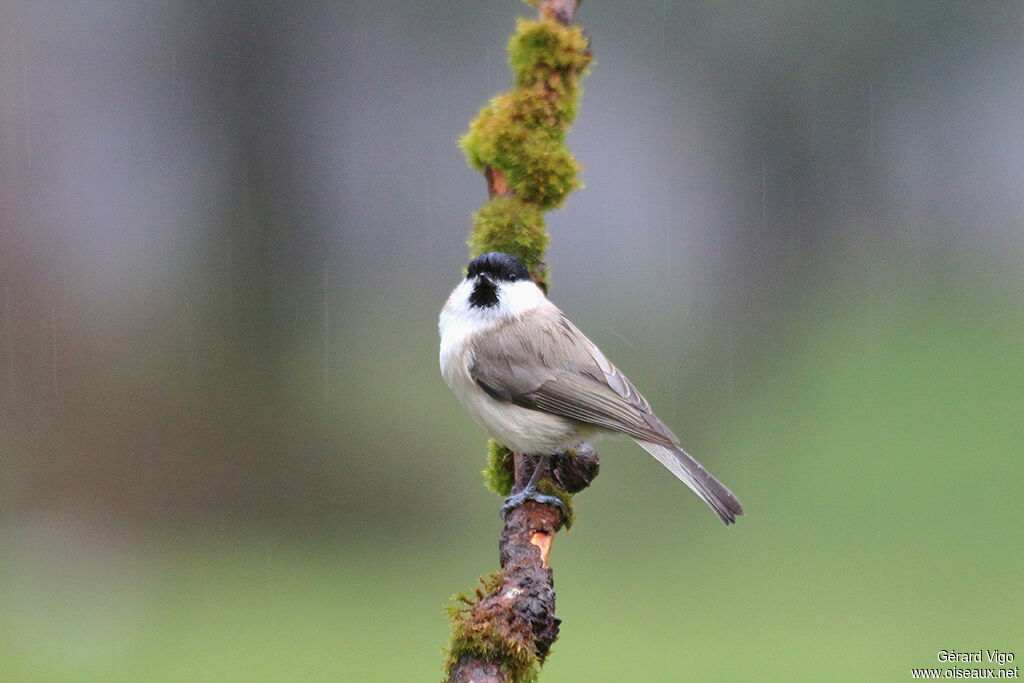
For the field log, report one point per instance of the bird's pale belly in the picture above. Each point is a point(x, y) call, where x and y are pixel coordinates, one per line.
point(524, 430)
point(519, 429)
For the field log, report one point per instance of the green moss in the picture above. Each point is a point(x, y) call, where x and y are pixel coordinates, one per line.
point(509, 225)
point(487, 643)
point(499, 475)
point(550, 53)
point(522, 132)
point(480, 639)
point(461, 603)
point(545, 173)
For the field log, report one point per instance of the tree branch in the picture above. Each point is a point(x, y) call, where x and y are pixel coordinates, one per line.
point(504, 632)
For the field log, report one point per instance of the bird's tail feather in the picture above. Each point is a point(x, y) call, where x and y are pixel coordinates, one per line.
point(691, 473)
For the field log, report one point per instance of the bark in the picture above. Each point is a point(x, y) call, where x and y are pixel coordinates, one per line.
point(521, 610)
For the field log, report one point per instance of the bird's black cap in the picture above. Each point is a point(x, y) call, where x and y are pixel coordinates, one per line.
point(499, 266)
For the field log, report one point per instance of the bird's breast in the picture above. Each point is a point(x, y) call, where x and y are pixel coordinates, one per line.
point(520, 429)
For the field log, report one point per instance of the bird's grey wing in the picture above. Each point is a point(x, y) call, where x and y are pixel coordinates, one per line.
point(556, 369)
point(611, 375)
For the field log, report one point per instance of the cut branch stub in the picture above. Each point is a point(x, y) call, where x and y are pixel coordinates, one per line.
point(562, 11)
point(573, 471)
point(497, 186)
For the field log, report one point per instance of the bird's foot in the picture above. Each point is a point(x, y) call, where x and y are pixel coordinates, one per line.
point(517, 499)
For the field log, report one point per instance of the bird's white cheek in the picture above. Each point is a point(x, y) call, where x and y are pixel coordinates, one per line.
point(520, 297)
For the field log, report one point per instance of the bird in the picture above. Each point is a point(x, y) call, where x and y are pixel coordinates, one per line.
point(538, 386)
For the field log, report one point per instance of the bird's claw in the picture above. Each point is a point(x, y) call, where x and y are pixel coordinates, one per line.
point(517, 499)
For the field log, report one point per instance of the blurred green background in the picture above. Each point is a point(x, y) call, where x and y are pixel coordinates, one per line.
point(226, 453)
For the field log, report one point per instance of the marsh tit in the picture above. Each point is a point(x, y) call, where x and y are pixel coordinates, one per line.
point(538, 386)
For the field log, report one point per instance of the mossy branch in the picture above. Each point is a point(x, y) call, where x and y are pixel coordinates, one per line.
point(518, 139)
point(505, 629)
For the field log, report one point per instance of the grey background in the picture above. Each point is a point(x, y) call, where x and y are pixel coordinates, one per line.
point(226, 229)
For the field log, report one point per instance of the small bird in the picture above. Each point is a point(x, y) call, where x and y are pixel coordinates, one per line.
point(538, 386)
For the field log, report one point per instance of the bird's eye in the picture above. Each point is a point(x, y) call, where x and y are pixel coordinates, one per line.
point(513, 277)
